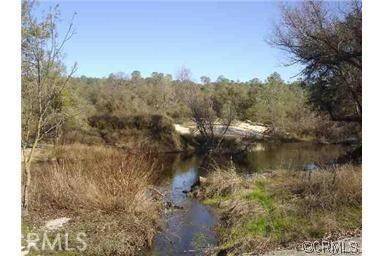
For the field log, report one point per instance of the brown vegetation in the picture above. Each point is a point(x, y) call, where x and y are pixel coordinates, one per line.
point(149, 132)
point(104, 190)
point(282, 208)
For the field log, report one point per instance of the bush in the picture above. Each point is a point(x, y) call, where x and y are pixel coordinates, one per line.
point(153, 132)
point(104, 191)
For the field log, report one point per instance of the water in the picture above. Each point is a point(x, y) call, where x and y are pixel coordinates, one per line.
point(190, 231)
point(300, 155)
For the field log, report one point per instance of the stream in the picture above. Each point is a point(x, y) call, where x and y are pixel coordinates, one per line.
point(190, 230)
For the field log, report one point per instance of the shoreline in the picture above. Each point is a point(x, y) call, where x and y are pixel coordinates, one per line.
point(264, 215)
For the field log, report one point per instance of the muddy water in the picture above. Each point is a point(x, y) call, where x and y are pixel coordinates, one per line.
point(189, 231)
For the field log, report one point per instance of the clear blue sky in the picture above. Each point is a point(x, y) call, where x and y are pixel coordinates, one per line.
point(210, 38)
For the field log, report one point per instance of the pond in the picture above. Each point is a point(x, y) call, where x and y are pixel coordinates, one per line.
point(190, 230)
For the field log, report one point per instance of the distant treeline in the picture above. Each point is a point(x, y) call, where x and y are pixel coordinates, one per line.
point(284, 107)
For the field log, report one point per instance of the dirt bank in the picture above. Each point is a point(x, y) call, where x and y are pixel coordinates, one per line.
point(237, 129)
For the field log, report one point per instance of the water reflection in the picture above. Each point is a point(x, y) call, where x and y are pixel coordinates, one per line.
point(189, 231)
point(265, 156)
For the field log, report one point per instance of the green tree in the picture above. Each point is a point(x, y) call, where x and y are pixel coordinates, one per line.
point(205, 80)
point(222, 80)
point(328, 43)
point(44, 80)
point(136, 76)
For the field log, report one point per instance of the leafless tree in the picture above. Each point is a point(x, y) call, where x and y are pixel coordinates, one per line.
point(184, 74)
point(209, 124)
point(43, 81)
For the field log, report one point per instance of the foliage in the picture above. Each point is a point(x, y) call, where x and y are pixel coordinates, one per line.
point(44, 80)
point(328, 43)
point(105, 193)
point(281, 208)
point(283, 106)
point(149, 132)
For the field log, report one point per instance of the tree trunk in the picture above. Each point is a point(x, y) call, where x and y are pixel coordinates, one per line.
point(26, 187)
point(27, 176)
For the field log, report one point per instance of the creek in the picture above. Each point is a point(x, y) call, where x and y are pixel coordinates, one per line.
point(189, 229)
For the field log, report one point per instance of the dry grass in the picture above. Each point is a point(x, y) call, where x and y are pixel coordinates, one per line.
point(282, 208)
point(104, 190)
point(327, 189)
point(223, 182)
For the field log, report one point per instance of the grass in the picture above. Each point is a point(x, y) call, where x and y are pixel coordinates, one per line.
point(105, 193)
point(282, 208)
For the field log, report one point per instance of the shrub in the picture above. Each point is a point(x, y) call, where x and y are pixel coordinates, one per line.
point(105, 191)
point(154, 132)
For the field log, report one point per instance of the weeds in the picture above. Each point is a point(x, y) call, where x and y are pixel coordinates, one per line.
point(104, 191)
point(282, 208)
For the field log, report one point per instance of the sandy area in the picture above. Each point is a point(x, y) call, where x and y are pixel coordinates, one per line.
point(237, 129)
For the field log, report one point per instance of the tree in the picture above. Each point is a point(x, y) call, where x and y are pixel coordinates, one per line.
point(184, 74)
point(43, 82)
point(136, 76)
point(283, 107)
point(205, 80)
point(328, 43)
point(117, 79)
point(255, 81)
point(275, 78)
point(206, 118)
point(222, 80)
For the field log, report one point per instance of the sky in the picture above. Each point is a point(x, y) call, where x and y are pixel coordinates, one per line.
point(209, 38)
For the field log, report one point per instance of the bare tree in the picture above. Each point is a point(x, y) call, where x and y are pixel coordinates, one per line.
point(210, 125)
point(184, 74)
point(43, 80)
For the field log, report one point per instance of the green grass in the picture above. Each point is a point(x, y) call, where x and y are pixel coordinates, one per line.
point(260, 195)
point(216, 200)
point(287, 208)
point(258, 226)
point(273, 222)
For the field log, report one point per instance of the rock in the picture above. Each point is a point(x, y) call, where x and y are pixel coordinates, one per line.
point(170, 205)
point(202, 180)
point(310, 167)
point(56, 223)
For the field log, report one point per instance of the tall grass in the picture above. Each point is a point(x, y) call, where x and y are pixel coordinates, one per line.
point(99, 187)
point(282, 208)
point(328, 189)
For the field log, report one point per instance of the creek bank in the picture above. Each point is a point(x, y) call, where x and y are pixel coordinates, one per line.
point(281, 209)
point(237, 129)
